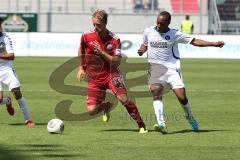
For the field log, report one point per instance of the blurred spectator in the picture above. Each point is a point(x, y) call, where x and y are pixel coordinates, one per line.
point(139, 5)
point(238, 11)
point(227, 10)
point(187, 25)
point(152, 5)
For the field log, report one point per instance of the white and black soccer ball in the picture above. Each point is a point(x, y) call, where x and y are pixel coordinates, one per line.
point(55, 126)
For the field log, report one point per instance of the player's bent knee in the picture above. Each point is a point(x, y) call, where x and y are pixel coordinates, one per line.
point(155, 87)
point(156, 91)
point(91, 108)
point(17, 93)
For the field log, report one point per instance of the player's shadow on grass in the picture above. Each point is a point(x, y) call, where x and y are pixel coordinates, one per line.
point(9, 154)
point(175, 132)
point(124, 130)
point(46, 150)
point(199, 131)
point(41, 145)
point(61, 155)
point(23, 124)
point(120, 130)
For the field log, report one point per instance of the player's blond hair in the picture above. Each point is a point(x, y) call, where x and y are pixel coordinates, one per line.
point(101, 15)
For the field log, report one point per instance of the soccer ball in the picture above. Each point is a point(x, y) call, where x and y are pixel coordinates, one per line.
point(55, 126)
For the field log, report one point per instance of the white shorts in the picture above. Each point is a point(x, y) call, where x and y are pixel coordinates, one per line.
point(169, 78)
point(9, 78)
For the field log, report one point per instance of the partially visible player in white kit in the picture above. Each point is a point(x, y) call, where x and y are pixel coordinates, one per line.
point(161, 42)
point(8, 77)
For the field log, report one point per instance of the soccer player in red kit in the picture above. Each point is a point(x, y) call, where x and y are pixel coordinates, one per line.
point(99, 58)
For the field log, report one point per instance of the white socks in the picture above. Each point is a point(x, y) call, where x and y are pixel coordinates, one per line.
point(6, 100)
point(158, 108)
point(188, 111)
point(23, 105)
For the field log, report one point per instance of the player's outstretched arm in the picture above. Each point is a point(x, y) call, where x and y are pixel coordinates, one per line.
point(142, 50)
point(7, 56)
point(202, 43)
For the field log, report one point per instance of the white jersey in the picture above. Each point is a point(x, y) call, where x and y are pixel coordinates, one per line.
point(163, 47)
point(5, 47)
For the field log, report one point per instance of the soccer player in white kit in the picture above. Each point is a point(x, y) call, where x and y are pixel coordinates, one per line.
point(161, 42)
point(8, 77)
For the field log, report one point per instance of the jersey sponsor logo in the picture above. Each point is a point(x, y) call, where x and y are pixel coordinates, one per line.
point(158, 44)
point(9, 40)
point(10, 43)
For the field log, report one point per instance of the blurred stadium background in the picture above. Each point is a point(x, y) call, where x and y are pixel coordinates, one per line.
point(39, 22)
point(209, 16)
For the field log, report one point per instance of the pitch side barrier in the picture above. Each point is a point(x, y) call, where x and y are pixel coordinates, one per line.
point(66, 45)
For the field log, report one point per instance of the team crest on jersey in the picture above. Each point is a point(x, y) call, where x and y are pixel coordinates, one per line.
point(109, 47)
point(167, 37)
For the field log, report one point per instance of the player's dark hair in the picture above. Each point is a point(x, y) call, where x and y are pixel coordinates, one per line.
point(100, 14)
point(165, 14)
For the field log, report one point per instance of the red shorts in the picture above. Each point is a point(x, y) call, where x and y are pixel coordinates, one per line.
point(97, 91)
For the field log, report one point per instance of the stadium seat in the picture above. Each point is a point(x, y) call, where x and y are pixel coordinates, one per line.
point(185, 6)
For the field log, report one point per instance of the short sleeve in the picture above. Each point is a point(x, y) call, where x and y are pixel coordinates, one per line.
point(183, 38)
point(145, 37)
point(117, 49)
point(8, 44)
point(83, 42)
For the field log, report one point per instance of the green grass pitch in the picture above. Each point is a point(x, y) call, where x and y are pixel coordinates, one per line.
point(213, 89)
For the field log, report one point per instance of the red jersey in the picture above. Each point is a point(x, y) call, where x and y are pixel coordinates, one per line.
point(96, 67)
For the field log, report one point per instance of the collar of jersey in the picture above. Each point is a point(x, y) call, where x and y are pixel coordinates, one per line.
point(161, 32)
